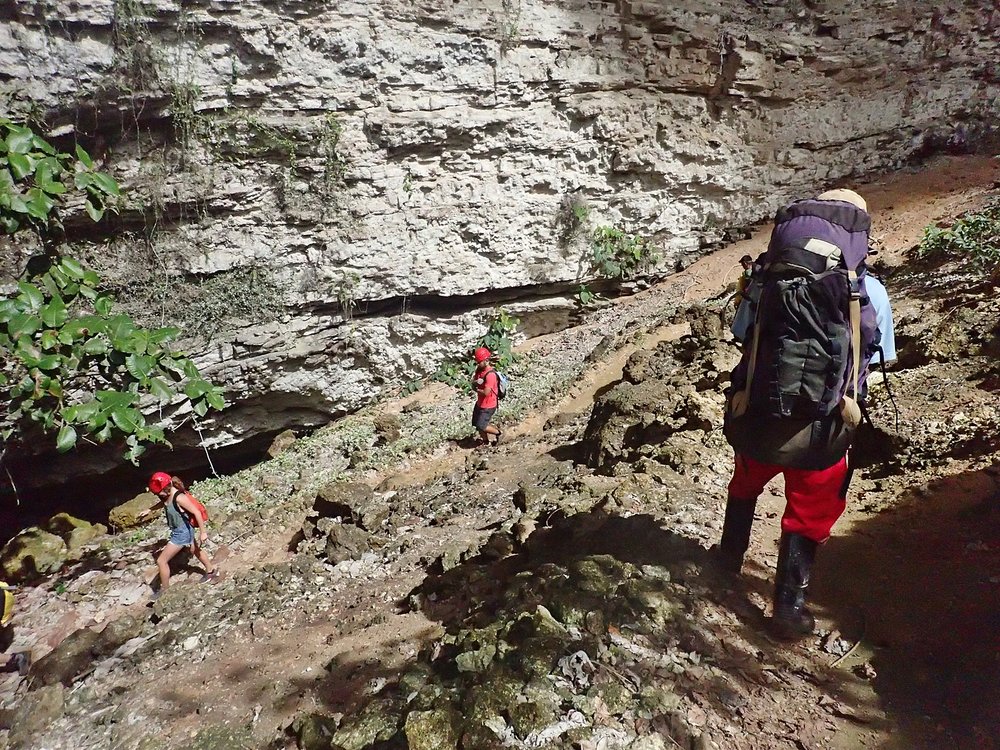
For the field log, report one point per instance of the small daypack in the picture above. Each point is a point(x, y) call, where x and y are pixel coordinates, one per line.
point(202, 510)
point(503, 383)
point(813, 336)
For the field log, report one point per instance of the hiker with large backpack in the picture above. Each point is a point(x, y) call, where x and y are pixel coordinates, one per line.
point(489, 387)
point(183, 512)
point(793, 403)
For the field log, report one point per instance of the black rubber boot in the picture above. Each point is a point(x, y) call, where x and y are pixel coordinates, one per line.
point(791, 620)
point(736, 533)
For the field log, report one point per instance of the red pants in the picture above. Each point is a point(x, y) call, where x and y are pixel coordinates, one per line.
point(814, 499)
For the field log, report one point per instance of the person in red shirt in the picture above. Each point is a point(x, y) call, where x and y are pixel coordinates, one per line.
point(486, 385)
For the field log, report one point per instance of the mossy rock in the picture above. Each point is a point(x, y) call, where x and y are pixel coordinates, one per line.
point(74, 531)
point(614, 695)
point(436, 729)
point(222, 737)
point(31, 554)
point(376, 722)
point(314, 731)
point(531, 716)
point(127, 515)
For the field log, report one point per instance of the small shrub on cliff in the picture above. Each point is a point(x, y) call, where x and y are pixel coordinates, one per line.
point(242, 295)
point(974, 238)
point(67, 364)
point(619, 255)
point(498, 339)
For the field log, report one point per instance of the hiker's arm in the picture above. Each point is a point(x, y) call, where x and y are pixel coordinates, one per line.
point(153, 508)
point(185, 502)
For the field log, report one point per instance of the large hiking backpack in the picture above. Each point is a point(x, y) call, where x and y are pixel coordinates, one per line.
point(814, 331)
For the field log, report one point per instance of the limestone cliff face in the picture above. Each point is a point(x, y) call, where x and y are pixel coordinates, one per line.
point(391, 168)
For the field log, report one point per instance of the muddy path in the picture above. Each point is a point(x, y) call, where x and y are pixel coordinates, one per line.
point(907, 590)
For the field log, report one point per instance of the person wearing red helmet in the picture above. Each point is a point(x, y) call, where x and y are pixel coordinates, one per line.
point(182, 515)
point(486, 384)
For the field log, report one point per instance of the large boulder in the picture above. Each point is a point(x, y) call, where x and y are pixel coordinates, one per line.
point(75, 532)
point(127, 515)
point(31, 554)
point(81, 649)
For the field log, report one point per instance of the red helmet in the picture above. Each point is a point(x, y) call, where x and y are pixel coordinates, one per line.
point(482, 354)
point(158, 481)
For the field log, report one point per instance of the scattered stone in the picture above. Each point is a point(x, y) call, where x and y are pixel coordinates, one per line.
point(314, 731)
point(436, 729)
point(281, 443)
point(387, 428)
point(353, 502)
point(78, 652)
point(343, 541)
point(37, 710)
point(191, 643)
point(32, 553)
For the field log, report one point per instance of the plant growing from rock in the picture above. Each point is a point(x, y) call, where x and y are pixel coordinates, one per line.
point(498, 339)
point(68, 364)
point(617, 254)
point(973, 238)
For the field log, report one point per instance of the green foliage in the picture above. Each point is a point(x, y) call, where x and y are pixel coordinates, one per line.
point(334, 165)
point(73, 367)
point(572, 218)
point(974, 238)
point(34, 176)
point(346, 291)
point(619, 255)
point(68, 363)
point(509, 24)
point(586, 296)
point(498, 339)
point(186, 120)
point(246, 293)
point(136, 58)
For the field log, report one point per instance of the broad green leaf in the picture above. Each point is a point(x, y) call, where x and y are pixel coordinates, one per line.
point(95, 212)
point(19, 139)
point(139, 366)
point(113, 399)
point(45, 170)
point(216, 400)
point(49, 340)
point(104, 433)
point(48, 362)
point(54, 188)
point(23, 324)
point(66, 438)
point(96, 345)
point(139, 341)
point(159, 388)
point(8, 309)
point(162, 335)
point(73, 267)
point(90, 278)
point(197, 388)
point(20, 165)
point(200, 408)
point(88, 291)
point(81, 412)
point(84, 157)
point(65, 337)
point(54, 314)
point(103, 305)
point(106, 184)
point(43, 145)
point(125, 419)
point(40, 205)
point(31, 294)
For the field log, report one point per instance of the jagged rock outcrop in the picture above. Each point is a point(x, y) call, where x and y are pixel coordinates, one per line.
point(356, 181)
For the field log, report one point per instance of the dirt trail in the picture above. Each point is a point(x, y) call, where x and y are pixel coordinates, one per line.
point(278, 667)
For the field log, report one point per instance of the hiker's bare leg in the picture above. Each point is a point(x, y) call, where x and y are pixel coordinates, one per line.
point(163, 562)
point(200, 553)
